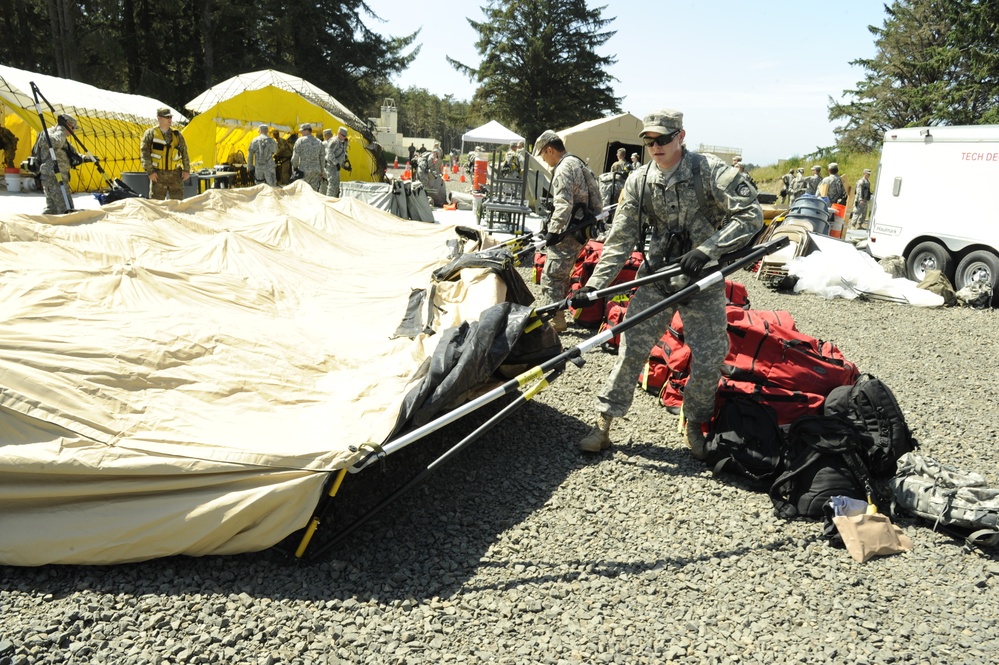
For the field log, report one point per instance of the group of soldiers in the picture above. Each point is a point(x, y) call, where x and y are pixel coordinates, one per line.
point(164, 157)
point(831, 187)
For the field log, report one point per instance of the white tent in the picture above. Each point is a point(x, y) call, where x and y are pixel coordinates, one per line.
point(491, 132)
point(180, 377)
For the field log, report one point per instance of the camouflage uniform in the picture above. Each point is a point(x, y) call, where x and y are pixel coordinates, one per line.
point(8, 145)
point(307, 157)
point(676, 223)
point(168, 180)
point(833, 187)
point(621, 166)
point(812, 183)
point(572, 182)
point(798, 186)
point(55, 200)
point(860, 202)
point(260, 159)
point(336, 152)
point(282, 158)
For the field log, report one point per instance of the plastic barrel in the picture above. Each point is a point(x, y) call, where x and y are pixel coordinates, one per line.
point(836, 227)
point(820, 221)
point(479, 177)
point(13, 177)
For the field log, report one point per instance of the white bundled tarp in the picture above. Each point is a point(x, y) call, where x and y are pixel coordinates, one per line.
point(178, 377)
point(839, 270)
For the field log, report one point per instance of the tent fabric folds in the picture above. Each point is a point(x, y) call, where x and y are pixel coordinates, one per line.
point(110, 124)
point(229, 114)
point(179, 377)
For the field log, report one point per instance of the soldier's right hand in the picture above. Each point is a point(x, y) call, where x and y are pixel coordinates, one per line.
point(582, 297)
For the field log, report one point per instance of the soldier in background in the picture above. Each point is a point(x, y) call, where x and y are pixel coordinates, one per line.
point(573, 186)
point(635, 164)
point(798, 185)
point(621, 165)
point(307, 156)
point(260, 157)
point(324, 179)
point(282, 158)
point(812, 181)
point(786, 190)
point(334, 158)
point(863, 196)
point(163, 154)
point(832, 187)
point(66, 157)
point(8, 145)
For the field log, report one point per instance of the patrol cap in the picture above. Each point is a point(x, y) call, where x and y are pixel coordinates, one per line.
point(816, 168)
point(801, 169)
point(66, 119)
point(662, 121)
point(164, 112)
point(867, 171)
point(264, 128)
point(634, 154)
point(342, 131)
point(833, 165)
point(621, 151)
point(546, 137)
point(305, 127)
point(327, 132)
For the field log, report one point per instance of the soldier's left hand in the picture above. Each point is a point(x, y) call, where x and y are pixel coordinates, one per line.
point(693, 262)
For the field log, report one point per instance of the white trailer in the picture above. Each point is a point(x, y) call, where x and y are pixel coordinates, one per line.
point(937, 202)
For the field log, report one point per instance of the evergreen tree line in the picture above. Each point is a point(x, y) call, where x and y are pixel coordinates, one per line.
point(937, 63)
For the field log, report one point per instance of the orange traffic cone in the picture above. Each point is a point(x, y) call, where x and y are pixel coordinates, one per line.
point(454, 168)
point(461, 178)
point(395, 163)
point(446, 176)
point(407, 174)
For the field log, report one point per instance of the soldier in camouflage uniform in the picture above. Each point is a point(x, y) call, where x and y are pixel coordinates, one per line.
point(621, 165)
point(282, 158)
point(832, 187)
point(307, 157)
point(860, 200)
point(163, 154)
point(812, 181)
point(8, 145)
point(685, 227)
point(260, 158)
point(572, 183)
point(66, 158)
point(798, 185)
point(336, 153)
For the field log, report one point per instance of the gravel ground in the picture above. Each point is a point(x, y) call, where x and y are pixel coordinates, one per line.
point(522, 550)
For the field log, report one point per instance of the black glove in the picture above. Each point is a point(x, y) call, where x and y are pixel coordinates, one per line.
point(693, 261)
point(552, 239)
point(580, 299)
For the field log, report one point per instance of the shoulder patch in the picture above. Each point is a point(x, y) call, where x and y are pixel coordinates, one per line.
point(743, 189)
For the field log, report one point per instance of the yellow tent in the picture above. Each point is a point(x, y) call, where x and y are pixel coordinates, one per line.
point(110, 124)
point(228, 115)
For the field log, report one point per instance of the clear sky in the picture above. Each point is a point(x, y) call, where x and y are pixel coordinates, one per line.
point(751, 75)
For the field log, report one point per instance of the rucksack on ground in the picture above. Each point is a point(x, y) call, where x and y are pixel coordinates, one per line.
point(745, 440)
point(824, 460)
point(872, 406)
point(951, 499)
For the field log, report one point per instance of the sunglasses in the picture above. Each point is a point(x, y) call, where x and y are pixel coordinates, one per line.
point(661, 140)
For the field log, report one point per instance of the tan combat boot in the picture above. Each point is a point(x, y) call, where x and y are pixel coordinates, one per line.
point(598, 438)
point(694, 437)
point(558, 321)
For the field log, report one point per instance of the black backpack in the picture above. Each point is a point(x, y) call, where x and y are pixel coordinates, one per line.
point(872, 406)
point(825, 459)
point(746, 440)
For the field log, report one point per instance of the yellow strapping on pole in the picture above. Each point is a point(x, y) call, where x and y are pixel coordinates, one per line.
point(314, 522)
point(530, 375)
point(535, 389)
point(537, 323)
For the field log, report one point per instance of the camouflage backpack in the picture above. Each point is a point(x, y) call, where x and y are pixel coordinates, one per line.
point(957, 502)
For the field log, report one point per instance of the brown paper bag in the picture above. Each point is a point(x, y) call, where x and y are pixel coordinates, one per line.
point(868, 536)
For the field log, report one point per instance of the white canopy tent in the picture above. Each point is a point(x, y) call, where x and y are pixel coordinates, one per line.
point(491, 132)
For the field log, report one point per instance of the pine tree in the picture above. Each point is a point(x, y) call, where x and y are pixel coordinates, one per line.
point(540, 69)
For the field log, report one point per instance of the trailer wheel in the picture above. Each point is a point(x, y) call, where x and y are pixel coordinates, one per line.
point(928, 256)
point(978, 266)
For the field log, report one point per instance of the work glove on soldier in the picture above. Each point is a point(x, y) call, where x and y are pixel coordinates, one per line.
point(693, 262)
point(552, 239)
point(581, 297)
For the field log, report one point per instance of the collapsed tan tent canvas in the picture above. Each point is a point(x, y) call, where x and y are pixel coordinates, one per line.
point(110, 124)
point(180, 377)
point(596, 141)
point(229, 114)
